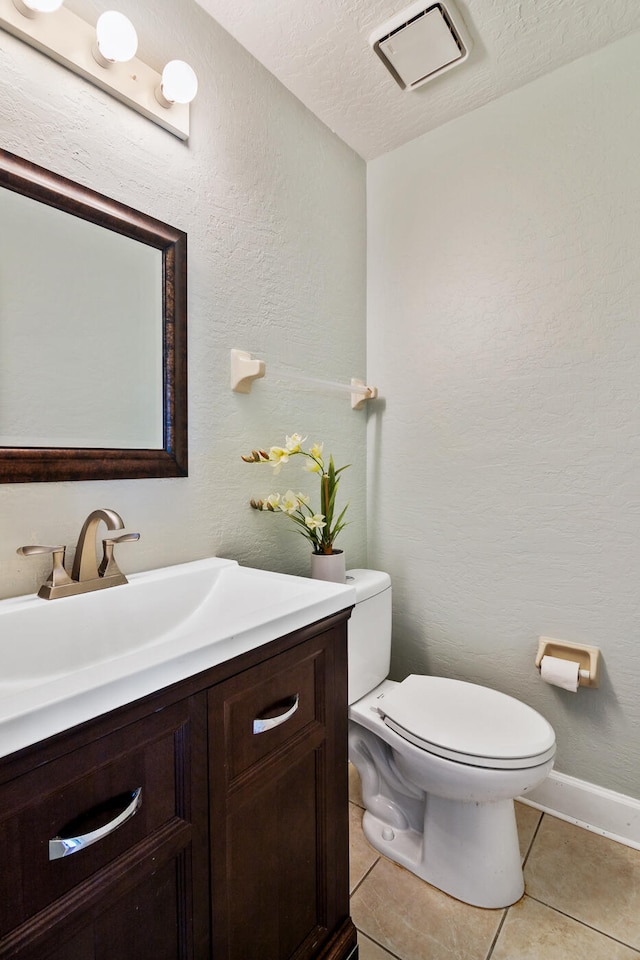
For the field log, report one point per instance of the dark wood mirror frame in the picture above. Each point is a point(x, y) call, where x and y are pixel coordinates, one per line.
point(29, 464)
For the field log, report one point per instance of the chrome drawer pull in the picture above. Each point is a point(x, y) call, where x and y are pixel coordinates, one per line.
point(65, 846)
point(260, 726)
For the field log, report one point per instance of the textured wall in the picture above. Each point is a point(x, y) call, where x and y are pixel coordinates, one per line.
point(274, 207)
point(504, 488)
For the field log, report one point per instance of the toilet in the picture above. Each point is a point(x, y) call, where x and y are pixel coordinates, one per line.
point(440, 762)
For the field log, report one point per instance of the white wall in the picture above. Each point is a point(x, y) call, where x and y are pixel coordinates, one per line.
point(504, 333)
point(274, 207)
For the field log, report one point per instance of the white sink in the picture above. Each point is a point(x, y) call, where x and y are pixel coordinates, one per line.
point(65, 661)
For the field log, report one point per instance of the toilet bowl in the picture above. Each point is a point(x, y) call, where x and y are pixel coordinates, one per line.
point(440, 762)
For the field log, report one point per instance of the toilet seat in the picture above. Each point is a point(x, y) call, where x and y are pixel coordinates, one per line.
point(467, 723)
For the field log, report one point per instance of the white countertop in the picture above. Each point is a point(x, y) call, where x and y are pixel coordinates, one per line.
point(66, 661)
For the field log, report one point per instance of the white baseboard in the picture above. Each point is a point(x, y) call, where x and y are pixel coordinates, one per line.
point(595, 808)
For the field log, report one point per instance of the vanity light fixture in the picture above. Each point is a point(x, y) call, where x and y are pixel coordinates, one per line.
point(179, 84)
point(31, 8)
point(116, 39)
point(106, 56)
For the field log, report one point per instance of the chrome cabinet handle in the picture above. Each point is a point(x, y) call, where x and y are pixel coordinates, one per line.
point(65, 846)
point(260, 726)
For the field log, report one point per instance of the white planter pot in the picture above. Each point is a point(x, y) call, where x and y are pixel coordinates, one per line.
point(329, 566)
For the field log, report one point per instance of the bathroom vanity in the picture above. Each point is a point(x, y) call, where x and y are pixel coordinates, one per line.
point(238, 848)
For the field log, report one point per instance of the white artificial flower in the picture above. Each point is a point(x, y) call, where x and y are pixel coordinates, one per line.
point(289, 503)
point(316, 522)
point(318, 528)
point(278, 456)
point(294, 442)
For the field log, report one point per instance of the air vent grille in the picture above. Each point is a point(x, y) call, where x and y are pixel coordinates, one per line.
point(422, 42)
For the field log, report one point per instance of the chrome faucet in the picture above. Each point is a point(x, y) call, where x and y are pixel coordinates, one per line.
point(86, 575)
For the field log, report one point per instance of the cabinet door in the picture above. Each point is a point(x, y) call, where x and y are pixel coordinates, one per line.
point(278, 768)
point(141, 889)
point(144, 923)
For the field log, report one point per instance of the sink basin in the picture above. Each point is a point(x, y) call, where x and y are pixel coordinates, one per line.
point(65, 661)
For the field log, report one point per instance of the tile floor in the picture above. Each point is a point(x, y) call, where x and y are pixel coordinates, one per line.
point(582, 900)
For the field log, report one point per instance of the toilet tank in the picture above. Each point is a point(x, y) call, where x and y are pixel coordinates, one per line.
point(369, 631)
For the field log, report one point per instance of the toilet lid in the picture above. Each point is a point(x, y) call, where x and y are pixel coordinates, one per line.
point(468, 723)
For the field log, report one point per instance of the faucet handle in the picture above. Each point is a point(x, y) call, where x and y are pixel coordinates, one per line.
point(108, 566)
point(32, 549)
point(58, 576)
point(122, 538)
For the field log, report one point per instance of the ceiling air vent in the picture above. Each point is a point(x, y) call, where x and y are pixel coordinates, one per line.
point(421, 43)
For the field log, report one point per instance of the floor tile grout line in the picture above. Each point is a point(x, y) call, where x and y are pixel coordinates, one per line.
point(532, 841)
point(364, 877)
point(370, 868)
point(582, 923)
point(497, 933)
point(396, 956)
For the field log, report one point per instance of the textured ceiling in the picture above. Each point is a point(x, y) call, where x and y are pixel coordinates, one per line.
point(319, 50)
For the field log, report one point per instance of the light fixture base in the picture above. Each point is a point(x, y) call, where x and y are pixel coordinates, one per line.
point(99, 59)
point(25, 10)
point(160, 97)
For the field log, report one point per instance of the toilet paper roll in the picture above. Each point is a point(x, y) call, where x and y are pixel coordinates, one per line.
point(561, 673)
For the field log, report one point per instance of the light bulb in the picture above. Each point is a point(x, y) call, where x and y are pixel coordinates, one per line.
point(31, 7)
point(179, 84)
point(116, 38)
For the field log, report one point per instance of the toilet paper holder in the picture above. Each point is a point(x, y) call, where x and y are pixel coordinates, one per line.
point(588, 658)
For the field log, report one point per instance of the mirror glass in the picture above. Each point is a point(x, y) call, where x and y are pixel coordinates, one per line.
point(92, 334)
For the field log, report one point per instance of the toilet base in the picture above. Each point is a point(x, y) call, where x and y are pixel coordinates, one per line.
point(468, 850)
point(450, 823)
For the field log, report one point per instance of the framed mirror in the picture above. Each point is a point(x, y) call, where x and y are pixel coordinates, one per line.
point(93, 334)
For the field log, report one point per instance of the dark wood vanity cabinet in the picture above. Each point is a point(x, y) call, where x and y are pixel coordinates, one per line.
point(239, 848)
point(139, 891)
point(278, 831)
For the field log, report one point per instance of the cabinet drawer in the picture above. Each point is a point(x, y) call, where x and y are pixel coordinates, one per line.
point(268, 707)
point(84, 791)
